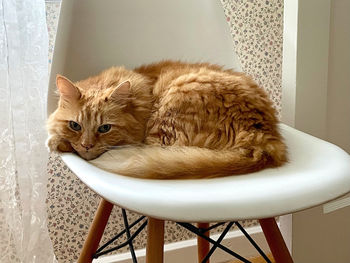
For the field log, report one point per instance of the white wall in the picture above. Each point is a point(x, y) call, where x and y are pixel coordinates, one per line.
point(338, 100)
point(316, 90)
point(305, 65)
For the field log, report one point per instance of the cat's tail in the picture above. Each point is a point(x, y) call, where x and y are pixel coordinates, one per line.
point(189, 162)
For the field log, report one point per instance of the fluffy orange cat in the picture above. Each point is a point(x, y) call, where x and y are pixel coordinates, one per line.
point(179, 120)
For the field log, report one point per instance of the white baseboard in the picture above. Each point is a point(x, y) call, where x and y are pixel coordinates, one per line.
point(336, 204)
point(186, 251)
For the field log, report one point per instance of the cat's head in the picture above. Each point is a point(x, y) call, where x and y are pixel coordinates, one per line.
point(95, 114)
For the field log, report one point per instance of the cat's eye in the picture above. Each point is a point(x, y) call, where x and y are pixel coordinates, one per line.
point(104, 128)
point(74, 126)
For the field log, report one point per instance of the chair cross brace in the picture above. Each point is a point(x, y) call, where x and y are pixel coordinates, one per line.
point(253, 242)
point(130, 238)
point(217, 244)
point(198, 231)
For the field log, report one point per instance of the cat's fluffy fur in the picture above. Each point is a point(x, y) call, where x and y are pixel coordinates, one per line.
point(190, 121)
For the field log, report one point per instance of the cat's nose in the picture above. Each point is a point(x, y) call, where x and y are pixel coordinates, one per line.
point(87, 146)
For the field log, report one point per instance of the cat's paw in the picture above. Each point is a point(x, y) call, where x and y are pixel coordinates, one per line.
point(50, 144)
point(57, 144)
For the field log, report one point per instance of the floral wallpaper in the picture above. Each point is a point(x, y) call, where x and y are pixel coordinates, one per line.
point(257, 31)
point(256, 27)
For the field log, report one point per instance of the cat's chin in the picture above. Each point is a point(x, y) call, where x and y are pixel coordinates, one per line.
point(89, 155)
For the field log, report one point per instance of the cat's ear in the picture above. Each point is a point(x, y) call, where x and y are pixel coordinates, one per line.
point(121, 91)
point(67, 89)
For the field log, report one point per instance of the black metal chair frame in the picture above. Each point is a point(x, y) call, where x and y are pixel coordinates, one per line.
point(198, 231)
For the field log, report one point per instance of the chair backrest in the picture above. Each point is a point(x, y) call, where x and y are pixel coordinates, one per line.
point(94, 35)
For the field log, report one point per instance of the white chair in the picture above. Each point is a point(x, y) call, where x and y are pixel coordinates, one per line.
point(93, 35)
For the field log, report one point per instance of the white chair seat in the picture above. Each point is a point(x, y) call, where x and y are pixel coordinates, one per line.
point(316, 173)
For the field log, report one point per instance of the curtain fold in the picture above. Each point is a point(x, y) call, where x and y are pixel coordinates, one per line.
point(23, 156)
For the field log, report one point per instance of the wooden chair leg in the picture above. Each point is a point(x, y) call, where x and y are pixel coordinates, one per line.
point(96, 231)
point(155, 241)
point(202, 244)
point(275, 240)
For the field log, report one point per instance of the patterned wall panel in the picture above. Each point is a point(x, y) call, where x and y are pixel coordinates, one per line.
point(257, 31)
point(256, 27)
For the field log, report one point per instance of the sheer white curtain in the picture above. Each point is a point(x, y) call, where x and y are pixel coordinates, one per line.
point(23, 156)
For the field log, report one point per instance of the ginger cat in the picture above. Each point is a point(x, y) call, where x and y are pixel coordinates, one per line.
point(178, 120)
